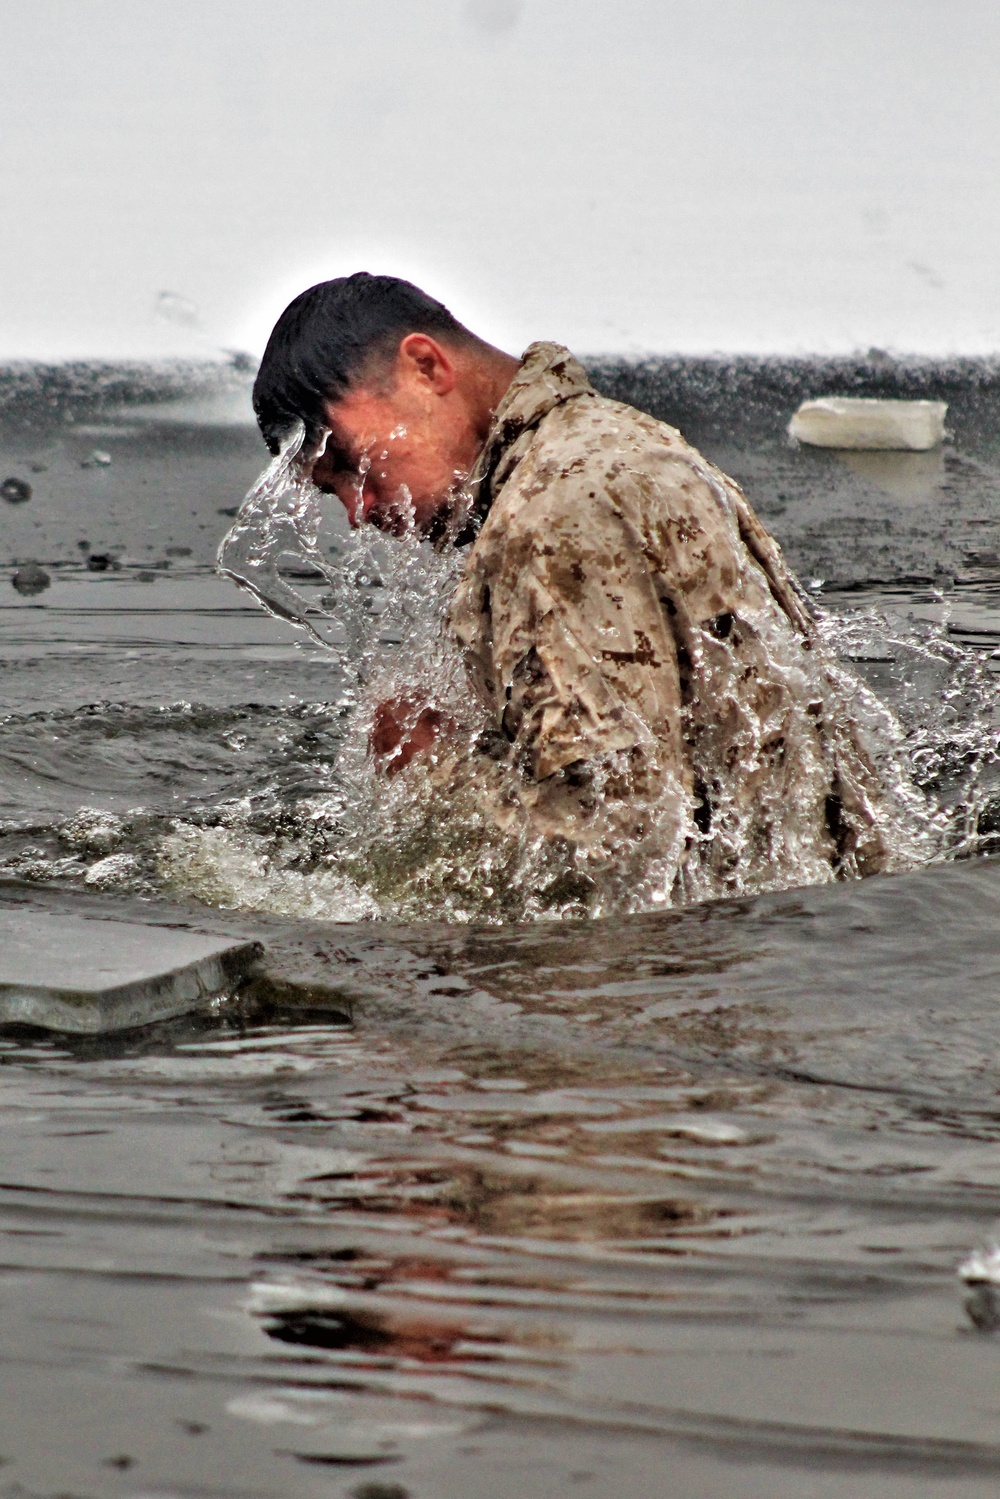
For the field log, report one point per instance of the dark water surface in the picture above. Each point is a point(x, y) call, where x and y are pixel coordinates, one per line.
point(667, 1204)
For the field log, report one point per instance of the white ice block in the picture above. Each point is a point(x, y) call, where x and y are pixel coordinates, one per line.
point(858, 422)
point(73, 973)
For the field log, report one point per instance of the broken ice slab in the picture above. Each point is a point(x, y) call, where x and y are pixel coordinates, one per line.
point(75, 973)
point(861, 422)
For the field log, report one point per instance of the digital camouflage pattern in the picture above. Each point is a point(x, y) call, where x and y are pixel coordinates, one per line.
point(647, 660)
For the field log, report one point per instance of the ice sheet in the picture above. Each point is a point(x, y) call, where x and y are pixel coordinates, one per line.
point(74, 974)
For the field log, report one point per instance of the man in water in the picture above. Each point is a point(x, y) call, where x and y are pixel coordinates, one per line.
point(646, 659)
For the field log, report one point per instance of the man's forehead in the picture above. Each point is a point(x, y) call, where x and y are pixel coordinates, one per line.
point(360, 413)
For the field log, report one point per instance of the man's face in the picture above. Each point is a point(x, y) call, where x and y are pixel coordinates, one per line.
point(400, 447)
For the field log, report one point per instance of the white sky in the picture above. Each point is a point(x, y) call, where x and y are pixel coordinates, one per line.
point(622, 175)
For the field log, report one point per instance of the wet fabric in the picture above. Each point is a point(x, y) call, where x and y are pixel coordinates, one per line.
point(646, 659)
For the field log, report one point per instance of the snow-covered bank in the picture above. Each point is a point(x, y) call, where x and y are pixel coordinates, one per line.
point(771, 177)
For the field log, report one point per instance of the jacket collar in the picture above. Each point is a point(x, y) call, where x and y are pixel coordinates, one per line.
point(548, 376)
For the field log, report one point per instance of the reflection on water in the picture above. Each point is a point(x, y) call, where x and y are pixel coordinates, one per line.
point(640, 1199)
point(908, 477)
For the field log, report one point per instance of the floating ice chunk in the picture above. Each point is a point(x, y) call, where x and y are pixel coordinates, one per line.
point(981, 1275)
point(31, 579)
point(856, 422)
point(982, 1268)
point(709, 1132)
point(287, 1294)
point(73, 973)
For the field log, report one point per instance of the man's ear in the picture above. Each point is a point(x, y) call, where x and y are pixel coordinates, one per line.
point(427, 360)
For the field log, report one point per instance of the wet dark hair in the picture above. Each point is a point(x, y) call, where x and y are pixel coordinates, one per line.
point(331, 337)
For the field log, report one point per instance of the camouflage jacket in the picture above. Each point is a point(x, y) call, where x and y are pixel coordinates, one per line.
point(631, 626)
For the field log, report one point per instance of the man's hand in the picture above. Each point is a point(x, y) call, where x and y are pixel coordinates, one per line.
point(401, 728)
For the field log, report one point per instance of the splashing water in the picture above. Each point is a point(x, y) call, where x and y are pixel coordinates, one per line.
point(382, 601)
point(375, 844)
point(279, 521)
point(945, 725)
point(452, 837)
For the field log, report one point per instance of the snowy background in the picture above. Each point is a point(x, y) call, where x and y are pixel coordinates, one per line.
point(622, 175)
